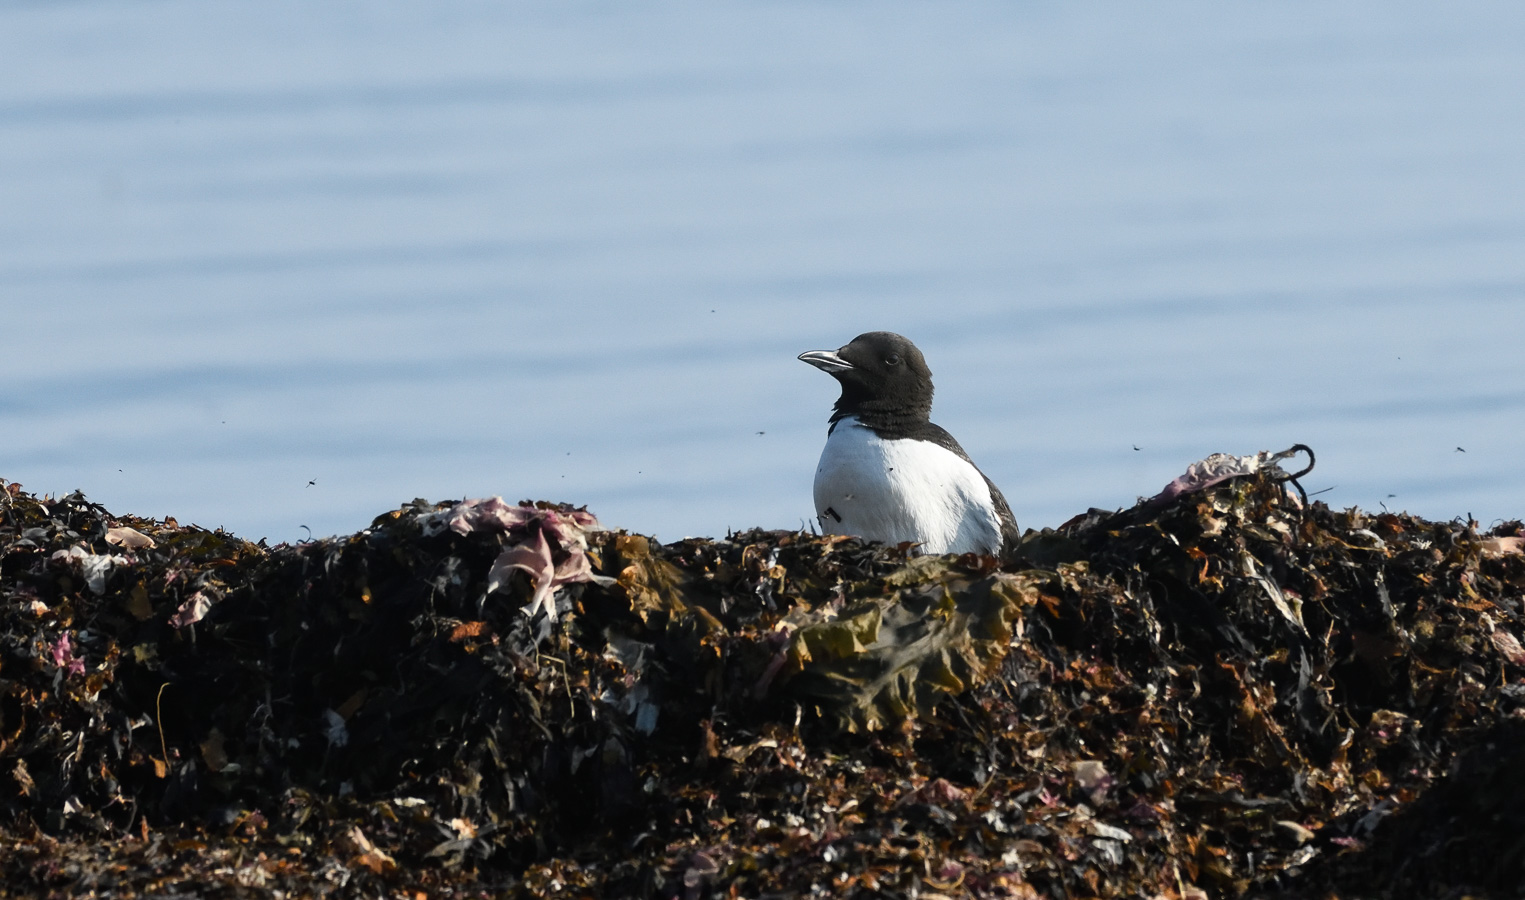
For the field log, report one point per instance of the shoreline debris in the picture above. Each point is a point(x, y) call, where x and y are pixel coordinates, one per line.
point(1227, 693)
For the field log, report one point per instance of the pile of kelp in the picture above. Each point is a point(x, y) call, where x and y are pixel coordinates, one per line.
point(1224, 693)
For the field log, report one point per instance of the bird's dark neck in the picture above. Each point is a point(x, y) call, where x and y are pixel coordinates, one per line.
point(897, 418)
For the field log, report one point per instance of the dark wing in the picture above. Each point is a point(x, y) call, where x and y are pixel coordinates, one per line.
point(1010, 533)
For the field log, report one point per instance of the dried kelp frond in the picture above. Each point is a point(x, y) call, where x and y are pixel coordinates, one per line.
point(884, 660)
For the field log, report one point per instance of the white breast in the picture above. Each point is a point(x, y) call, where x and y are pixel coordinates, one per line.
point(903, 490)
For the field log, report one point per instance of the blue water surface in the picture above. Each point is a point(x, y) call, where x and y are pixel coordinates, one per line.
point(279, 264)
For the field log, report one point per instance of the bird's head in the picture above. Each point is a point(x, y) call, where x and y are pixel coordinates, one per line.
point(878, 371)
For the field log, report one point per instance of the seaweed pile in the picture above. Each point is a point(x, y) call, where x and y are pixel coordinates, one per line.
point(1226, 694)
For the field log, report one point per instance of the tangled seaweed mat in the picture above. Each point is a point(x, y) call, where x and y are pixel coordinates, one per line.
point(1227, 696)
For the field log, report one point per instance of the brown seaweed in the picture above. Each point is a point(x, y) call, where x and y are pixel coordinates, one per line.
point(1226, 694)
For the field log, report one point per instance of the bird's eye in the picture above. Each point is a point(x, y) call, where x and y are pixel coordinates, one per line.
point(892, 360)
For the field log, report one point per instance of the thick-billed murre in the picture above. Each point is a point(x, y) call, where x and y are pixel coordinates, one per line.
point(887, 473)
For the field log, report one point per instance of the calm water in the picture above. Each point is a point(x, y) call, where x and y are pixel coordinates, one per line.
point(267, 265)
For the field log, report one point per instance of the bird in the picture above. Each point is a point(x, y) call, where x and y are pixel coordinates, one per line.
point(887, 472)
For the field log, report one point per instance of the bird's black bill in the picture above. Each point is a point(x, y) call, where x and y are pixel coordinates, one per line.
point(826, 360)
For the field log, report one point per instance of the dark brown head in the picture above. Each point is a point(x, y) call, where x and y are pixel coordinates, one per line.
point(884, 378)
